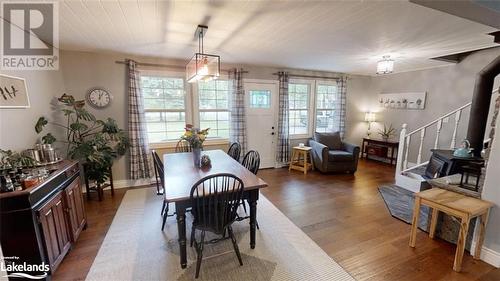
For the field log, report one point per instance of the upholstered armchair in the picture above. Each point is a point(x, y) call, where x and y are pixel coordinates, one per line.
point(331, 154)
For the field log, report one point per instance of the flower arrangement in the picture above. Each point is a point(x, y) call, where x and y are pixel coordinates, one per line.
point(194, 136)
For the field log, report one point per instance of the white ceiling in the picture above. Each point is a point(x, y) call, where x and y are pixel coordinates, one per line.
point(345, 36)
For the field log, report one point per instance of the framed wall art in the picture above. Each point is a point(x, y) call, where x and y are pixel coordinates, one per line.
point(13, 92)
point(414, 100)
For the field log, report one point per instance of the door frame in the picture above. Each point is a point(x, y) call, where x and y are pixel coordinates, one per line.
point(274, 106)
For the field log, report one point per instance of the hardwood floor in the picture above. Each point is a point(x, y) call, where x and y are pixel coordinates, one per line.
point(345, 215)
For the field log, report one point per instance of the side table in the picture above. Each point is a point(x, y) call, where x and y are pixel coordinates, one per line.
point(457, 205)
point(301, 159)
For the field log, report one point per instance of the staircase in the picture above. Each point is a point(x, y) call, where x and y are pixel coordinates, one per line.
point(408, 175)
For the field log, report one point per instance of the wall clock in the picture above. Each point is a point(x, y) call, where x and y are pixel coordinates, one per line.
point(99, 98)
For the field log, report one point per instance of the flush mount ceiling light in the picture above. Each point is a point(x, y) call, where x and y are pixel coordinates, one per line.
point(385, 66)
point(202, 66)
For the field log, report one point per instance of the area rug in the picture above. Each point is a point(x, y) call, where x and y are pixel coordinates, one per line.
point(135, 248)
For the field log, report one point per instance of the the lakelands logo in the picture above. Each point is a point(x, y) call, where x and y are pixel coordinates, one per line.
point(17, 269)
point(30, 36)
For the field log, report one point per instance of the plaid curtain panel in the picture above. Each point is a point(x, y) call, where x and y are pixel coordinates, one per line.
point(139, 163)
point(340, 106)
point(238, 130)
point(283, 145)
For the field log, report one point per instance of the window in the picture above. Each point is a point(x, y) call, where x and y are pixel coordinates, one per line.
point(214, 107)
point(164, 106)
point(298, 102)
point(260, 99)
point(326, 95)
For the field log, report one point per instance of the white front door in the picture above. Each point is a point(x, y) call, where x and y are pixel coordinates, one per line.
point(261, 102)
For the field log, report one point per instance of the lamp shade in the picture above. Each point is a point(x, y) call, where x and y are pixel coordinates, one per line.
point(370, 117)
point(203, 67)
point(385, 66)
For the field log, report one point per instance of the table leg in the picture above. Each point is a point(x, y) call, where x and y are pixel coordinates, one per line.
point(311, 159)
point(482, 229)
point(291, 160)
point(252, 200)
point(363, 149)
point(414, 224)
point(305, 161)
point(432, 229)
point(180, 209)
point(459, 254)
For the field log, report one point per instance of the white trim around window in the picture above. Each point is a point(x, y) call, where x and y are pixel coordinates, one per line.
point(310, 107)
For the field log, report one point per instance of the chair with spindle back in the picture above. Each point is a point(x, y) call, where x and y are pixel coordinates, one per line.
point(160, 172)
point(183, 146)
point(215, 200)
point(251, 161)
point(157, 163)
point(234, 151)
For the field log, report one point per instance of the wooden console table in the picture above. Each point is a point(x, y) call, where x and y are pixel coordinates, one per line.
point(380, 148)
point(457, 205)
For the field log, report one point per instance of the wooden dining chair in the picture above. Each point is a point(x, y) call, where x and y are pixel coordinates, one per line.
point(251, 161)
point(159, 168)
point(183, 146)
point(156, 164)
point(215, 200)
point(235, 151)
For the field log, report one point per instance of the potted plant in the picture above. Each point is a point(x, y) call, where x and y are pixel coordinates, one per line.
point(13, 160)
point(95, 143)
point(195, 137)
point(387, 132)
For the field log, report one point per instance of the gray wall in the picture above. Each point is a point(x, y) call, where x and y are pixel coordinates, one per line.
point(83, 70)
point(491, 192)
point(17, 125)
point(447, 88)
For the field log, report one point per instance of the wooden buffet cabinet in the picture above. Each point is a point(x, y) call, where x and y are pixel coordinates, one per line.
point(40, 224)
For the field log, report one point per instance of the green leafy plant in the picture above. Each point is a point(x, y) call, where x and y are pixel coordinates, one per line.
point(11, 159)
point(96, 143)
point(387, 132)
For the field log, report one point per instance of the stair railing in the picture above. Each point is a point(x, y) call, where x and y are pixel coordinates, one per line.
point(405, 138)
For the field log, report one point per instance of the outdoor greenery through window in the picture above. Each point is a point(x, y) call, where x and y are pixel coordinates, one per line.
point(214, 107)
point(326, 95)
point(165, 107)
point(298, 99)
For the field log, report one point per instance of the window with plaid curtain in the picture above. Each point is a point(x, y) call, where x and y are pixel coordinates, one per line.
point(283, 145)
point(238, 130)
point(139, 163)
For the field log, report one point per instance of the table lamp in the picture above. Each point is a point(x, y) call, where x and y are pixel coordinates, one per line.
point(369, 118)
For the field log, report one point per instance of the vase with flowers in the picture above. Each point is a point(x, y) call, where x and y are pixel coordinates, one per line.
point(195, 137)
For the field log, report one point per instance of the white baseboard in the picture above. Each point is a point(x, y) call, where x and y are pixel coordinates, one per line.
point(133, 183)
point(488, 255)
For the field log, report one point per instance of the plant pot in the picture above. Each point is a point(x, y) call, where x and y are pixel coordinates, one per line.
point(197, 157)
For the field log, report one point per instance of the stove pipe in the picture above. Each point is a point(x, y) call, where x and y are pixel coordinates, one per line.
point(481, 104)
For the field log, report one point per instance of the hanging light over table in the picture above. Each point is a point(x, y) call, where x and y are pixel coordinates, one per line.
point(385, 66)
point(202, 66)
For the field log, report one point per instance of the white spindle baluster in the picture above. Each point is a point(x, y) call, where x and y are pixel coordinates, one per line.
point(401, 147)
point(438, 131)
point(422, 136)
point(405, 166)
point(454, 137)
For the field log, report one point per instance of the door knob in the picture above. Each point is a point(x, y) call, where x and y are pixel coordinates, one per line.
point(272, 127)
point(272, 133)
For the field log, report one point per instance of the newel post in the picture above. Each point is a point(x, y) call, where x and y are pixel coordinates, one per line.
point(401, 149)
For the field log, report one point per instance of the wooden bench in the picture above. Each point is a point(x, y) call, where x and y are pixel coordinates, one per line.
point(457, 205)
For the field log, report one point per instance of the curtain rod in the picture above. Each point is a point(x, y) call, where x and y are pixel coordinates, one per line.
point(167, 65)
point(310, 76)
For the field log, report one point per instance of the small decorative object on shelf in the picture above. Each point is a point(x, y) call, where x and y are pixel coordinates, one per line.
point(464, 150)
point(387, 132)
point(195, 137)
point(205, 161)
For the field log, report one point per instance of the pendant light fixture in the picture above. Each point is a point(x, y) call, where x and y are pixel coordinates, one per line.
point(202, 66)
point(385, 66)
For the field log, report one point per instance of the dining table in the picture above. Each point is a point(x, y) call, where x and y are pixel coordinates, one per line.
point(181, 174)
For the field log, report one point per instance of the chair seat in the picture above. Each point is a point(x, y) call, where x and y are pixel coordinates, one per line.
point(339, 156)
